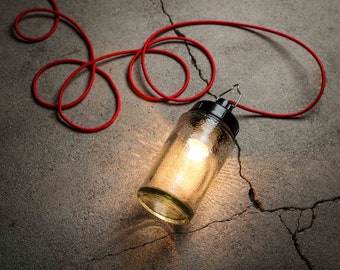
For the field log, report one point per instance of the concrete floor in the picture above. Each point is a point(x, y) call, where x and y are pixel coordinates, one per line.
point(68, 199)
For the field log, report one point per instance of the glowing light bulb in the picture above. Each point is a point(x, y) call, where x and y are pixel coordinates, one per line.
point(190, 159)
point(198, 151)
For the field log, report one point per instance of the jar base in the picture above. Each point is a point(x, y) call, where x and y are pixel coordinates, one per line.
point(164, 206)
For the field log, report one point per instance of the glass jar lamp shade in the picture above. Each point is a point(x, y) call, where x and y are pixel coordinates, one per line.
point(190, 159)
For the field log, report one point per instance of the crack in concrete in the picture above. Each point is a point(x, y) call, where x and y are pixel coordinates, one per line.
point(258, 205)
point(251, 193)
point(231, 218)
point(296, 244)
point(192, 57)
point(309, 226)
point(285, 208)
point(294, 234)
point(125, 250)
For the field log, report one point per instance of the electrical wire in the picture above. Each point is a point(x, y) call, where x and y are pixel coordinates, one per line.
point(148, 47)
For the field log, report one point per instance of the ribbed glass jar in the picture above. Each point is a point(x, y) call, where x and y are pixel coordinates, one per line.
point(190, 159)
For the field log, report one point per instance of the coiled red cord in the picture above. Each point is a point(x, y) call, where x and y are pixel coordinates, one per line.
point(148, 47)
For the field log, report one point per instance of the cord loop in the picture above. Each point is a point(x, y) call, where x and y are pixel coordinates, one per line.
point(153, 41)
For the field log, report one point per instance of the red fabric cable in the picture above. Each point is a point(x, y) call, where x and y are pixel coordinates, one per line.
point(148, 47)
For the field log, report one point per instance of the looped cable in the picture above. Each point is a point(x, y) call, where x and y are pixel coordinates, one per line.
point(153, 41)
point(33, 10)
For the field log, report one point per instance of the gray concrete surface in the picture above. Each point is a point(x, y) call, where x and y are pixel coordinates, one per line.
point(68, 200)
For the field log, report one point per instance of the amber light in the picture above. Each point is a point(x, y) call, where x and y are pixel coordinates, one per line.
point(190, 159)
